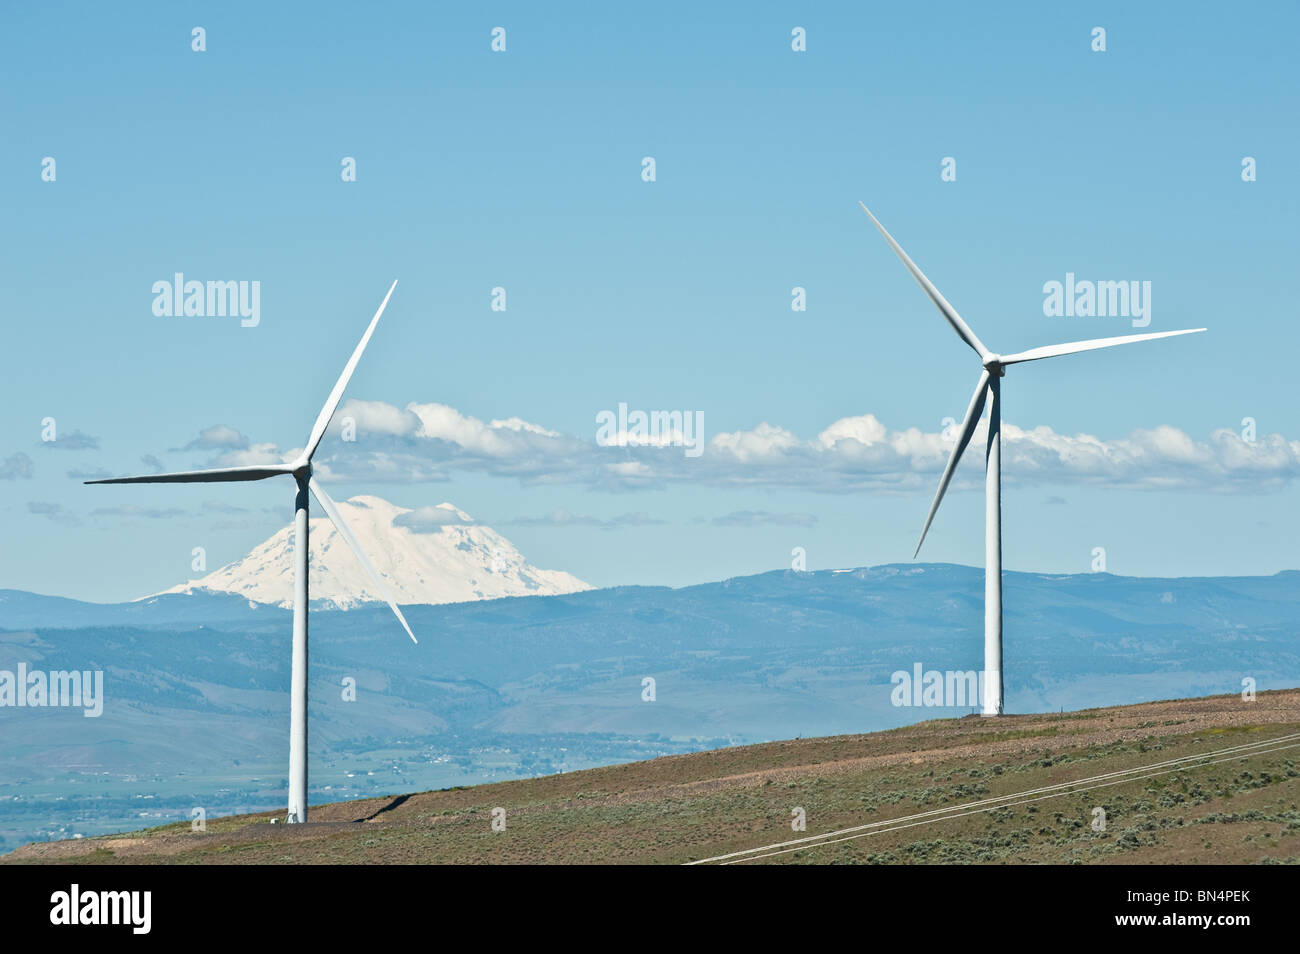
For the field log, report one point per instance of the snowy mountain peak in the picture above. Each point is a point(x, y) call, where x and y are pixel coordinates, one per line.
point(427, 555)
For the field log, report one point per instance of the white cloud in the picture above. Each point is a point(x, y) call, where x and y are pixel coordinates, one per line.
point(764, 442)
point(376, 417)
point(518, 424)
point(866, 430)
point(440, 422)
point(428, 442)
point(216, 437)
point(431, 519)
point(263, 453)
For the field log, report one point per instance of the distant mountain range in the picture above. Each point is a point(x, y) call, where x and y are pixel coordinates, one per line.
point(434, 555)
point(196, 686)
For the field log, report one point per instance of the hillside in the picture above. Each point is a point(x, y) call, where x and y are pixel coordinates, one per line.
point(1212, 808)
point(196, 687)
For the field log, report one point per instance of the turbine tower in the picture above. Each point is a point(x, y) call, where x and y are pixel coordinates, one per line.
point(301, 471)
point(990, 386)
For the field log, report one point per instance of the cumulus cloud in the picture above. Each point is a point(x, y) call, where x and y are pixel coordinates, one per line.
point(262, 453)
point(73, 441)
point(762, 518)
point(84, 473)
point(432, 519)
point(153, 463)
point(229, 447)
point(216, 437)
point(517, 424)
point(429, 442)
point(866, 430)
point(17, 466)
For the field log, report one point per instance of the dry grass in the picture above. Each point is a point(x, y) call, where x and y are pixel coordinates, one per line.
point(683, 808)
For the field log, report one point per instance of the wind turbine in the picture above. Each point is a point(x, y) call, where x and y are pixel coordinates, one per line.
point(994, 368)
point(301, 471)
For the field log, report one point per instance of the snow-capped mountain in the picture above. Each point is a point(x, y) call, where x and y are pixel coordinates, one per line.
point(433, 555)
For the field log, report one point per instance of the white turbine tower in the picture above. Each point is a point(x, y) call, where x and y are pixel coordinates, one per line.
point(994, 367)
point(301, 472)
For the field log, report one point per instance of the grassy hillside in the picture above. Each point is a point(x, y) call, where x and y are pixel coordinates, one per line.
point(197, 688)
point(690, 807)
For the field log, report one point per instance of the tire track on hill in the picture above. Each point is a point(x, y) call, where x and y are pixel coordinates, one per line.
point(1183, 763)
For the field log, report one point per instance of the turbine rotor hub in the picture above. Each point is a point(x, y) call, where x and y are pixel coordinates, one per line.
point(993, 365)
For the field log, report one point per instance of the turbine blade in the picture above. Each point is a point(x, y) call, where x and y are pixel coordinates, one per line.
point(1052, 351)
point(221, 474)
point(940, 302)
point(332, 403)
point(345, 532)
point(967, 429)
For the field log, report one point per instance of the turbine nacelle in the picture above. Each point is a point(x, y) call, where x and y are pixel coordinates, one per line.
point(993, 364)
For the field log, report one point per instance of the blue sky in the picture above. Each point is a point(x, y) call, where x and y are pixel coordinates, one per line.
point(522, 170)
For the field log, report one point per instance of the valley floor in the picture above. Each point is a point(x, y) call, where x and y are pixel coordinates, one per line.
point(1039, 781)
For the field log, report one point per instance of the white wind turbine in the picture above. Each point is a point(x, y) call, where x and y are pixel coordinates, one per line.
point(994, 367)
point(301, 471)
